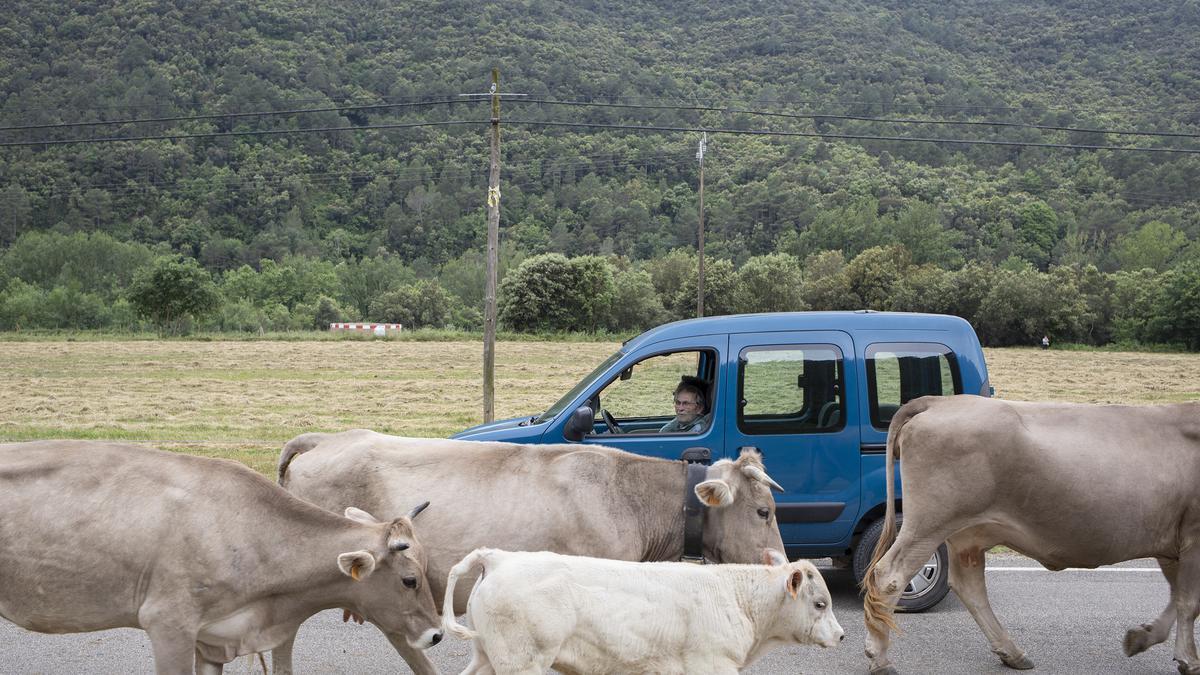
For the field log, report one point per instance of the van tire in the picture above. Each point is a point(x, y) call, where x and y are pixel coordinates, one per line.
point(927, 588)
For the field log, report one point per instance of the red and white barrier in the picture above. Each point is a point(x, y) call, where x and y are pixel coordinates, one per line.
point(377, 328)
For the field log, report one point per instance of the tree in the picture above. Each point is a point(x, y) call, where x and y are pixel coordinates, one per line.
point(635, 304)
point(720, 289)
point(1134, 295)
point(593, 290)
point(1152, 245)
point(919, 228)
point(1039, 230)
point(874, 274)
point(825, 286)
point(769, 283)
point(1023, 306)
point(15, 216)
point(424, 304)
point(326, 312)
point(361, 281)
point(171, 290)
point(536, 295)
point(1177, 307)
point(550, 292)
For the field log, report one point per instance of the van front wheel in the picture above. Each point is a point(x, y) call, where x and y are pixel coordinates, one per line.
point(927, 587)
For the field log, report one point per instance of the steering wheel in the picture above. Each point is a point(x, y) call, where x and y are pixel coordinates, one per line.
point(611, 422)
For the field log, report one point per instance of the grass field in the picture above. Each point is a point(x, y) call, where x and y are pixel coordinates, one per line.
point(243, 400)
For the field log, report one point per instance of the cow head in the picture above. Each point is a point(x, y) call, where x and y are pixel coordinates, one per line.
point(394, 593)
point(740, 521)
point(805, 609)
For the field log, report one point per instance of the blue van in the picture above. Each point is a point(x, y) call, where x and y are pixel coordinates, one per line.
point(814, 391)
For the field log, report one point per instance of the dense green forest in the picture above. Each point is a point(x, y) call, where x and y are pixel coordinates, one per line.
point(278, 228)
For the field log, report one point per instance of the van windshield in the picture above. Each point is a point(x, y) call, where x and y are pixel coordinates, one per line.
point(565, 401)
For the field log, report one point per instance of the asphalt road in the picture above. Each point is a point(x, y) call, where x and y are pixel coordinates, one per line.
point(1068, 622)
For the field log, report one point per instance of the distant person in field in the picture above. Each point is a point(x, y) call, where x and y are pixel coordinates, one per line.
point(692, 415)
point(1045, 342)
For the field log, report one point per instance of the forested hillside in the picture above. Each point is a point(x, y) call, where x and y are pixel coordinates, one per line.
point(382, 220)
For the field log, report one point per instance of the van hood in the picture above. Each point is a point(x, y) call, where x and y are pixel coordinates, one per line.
point(513, 430)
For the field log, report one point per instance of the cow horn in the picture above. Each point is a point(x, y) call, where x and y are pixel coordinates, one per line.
point(758, 474)
point(417, 509)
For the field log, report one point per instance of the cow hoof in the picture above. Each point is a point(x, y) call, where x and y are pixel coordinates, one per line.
point(1021, 662)
point(885, 670)
point(1137, 640)
point(1185, 669)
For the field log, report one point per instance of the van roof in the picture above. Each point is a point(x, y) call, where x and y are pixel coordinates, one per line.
point(793, 321)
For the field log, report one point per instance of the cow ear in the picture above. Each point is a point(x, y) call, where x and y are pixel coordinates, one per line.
point(795, 581)
point(715, 493)
point(360, 516)
point(773, 558)
point(357, 565)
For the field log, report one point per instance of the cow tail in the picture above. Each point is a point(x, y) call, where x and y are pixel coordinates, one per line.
point(297, 446)
point(478, 557)
point(878, 612)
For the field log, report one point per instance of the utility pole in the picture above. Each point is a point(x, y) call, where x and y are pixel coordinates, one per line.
point(493, 244)
point(700, 261)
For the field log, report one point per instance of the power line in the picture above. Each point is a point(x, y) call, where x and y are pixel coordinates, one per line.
point(1189, 110)
point(654, 106)
point(228, 115)
point(329, 177)
point(824, 116)
point(221, 134)
point(858, 137)
point(628, 127)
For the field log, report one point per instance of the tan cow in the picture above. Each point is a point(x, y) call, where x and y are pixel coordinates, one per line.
point(1068, 485)
point(210, 558)
point(575, 499)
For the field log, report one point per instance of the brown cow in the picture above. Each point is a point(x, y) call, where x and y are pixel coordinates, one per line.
point(210, 558)
point(1068, 485)
point(576, 499)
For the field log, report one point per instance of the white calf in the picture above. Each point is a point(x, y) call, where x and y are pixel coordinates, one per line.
point(534, 611)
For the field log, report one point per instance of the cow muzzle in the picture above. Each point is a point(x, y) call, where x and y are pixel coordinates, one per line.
point(427, 639)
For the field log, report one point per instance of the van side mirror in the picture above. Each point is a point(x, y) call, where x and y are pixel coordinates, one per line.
point(580, 424)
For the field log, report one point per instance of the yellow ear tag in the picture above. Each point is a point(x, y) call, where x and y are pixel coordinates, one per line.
point(354, 572)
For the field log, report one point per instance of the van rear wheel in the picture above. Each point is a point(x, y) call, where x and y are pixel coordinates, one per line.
point(927, 587)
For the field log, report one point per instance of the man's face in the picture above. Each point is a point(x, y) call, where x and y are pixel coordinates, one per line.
point(687, 406)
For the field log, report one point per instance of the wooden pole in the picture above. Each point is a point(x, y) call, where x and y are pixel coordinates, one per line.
point(493, 239)
point(700, 247)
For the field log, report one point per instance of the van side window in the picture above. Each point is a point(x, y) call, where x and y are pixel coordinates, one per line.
point(791, 389)
point(640, 400)
point(898, 372)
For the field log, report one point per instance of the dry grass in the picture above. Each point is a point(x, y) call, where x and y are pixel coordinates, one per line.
point(1094, 377)
point(243, 400)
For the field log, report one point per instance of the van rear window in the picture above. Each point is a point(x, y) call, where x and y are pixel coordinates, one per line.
point(898, 372)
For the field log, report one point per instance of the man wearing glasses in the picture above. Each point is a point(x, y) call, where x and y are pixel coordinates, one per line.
point(691, 409)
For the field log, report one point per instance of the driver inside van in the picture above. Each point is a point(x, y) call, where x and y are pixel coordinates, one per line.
point(691, 408)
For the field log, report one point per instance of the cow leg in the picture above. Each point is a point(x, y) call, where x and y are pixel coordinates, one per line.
point(206, 667)
point(1186, 595)
point(281, 657)
point(967, 560)
point(172, 639)
point(415, 658)
point(888, 579)
point(173, 652)
point(1138, 640)
point(479, 664)
point(517, 652)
